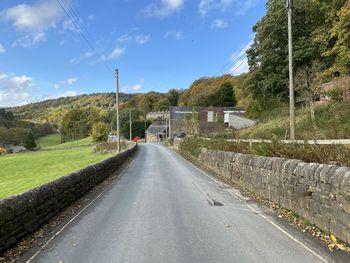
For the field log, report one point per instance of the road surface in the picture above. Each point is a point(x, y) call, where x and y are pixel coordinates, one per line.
point(163, 209)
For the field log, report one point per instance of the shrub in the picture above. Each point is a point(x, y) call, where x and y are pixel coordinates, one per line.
point(29, 141)
point(100, 132)
point(331, 154)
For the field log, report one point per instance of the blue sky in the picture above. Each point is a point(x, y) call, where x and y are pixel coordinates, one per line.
point(156, 44)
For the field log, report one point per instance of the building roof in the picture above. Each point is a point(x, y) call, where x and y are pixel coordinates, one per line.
point(238, 122)
point(15, 148)
point(179, 112)
point(156, 129)
point(337, 83)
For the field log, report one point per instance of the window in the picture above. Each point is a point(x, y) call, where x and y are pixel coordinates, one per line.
point(210, 116)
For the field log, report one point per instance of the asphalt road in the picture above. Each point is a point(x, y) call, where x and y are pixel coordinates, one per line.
point(165, 210)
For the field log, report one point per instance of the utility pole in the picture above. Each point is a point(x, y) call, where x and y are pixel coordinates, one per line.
point(117, 108)
point(130, 123)
point(145, 128)
point(166, 128)
point(291, 80)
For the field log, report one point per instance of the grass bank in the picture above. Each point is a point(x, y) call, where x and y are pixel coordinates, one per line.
point(332, 122)
point(21, 172)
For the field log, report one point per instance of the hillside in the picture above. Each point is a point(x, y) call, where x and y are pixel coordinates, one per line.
point(332, 122)
point(198, 94)
point(201, 91)
point(53, 110)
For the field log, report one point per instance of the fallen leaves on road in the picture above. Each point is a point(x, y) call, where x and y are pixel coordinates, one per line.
point(335, 245)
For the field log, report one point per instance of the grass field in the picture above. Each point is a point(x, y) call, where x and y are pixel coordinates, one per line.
point(53, 141)
point(21, 172)
point(49, 140)
point(85, 141)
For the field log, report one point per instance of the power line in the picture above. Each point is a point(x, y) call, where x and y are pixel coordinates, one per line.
point(233, 60)
point(237, 66)
point(84, 37)
point(71, 10)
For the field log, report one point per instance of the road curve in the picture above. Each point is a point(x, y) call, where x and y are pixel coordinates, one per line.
point(165, 210)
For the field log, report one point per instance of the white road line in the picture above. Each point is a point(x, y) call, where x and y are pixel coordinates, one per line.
point(260, 214)
point(75, 217)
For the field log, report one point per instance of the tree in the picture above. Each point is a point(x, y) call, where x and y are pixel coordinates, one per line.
point(227, 95)
point(268, 55)
point(77, 123)
point(100, 132)
point(138, 129)
point(29, 141)
point(162, 105)
point(173, 96)
point(339, 40)
point(308, 87)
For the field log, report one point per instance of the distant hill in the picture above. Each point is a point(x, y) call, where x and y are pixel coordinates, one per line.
point(53, 110)
point(198, 94)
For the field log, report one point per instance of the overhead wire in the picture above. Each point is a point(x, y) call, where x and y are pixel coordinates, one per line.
point(79, 30)
point(233, 60)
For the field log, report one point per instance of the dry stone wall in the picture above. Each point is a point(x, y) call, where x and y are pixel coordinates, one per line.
point(318, 192)
point(22, 214)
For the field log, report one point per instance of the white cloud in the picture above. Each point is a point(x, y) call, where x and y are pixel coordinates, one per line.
point(116, 53)
point(88, 54)
point(91, 17)
point(175, 34)
point(244, 6)
point(133, 88)
point(73, 61)
point(163, 9)
point(240, 6)
point(138, 39)
point(73, 25)
point(240, 67)
point(18, 90)
point(30, 40)
point(69, 93)
point(205, 6)
point(66, 82)
point(240, 61)
point(242, 51)
point(219, 23)
point(36, 17)
point(142, 39)
point(15, 90)
point(34, 20)
point(2, 49)
point(71, 81)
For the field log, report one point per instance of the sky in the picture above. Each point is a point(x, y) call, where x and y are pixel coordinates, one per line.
point(55, 48)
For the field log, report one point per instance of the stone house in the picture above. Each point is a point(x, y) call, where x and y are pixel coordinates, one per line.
point(156, 133)
point(204, 120)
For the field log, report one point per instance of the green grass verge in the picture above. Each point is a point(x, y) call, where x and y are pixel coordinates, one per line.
point(21, 172)
point(82, 142)
point(49, 140)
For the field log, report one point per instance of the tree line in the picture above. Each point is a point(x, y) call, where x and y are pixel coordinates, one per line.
point(321, 36)
point(19, 132)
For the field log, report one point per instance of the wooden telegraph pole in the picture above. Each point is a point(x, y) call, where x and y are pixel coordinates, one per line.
point(291, 80)
point(117, 108)
point(130, 123)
